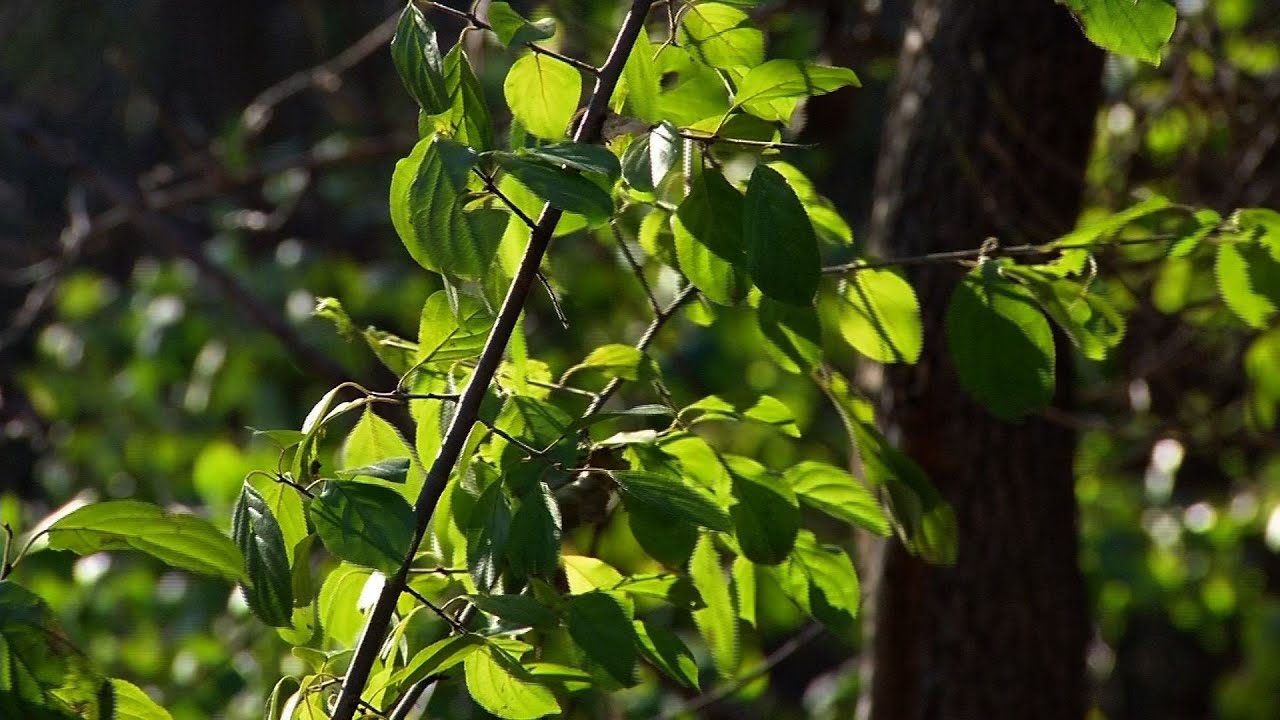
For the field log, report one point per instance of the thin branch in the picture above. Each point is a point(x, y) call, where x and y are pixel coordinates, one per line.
point(446, 617)
point(1013, 251)
point(555, 301)
point(475, 21)
point(687, 294)
point(711, 697)
point(492, 187)
point(326, 75)
point(563, 388)
point(468, 408)
point(635, 266)
point(766, 144)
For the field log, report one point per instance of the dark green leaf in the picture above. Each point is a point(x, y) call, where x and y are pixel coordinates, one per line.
point(709, 241)
point(417, 58)
point(667, 541)
point(428, 193)
point(392, 470)
point(782, 251)
point(467, 119)
point(364, 524)
point(487, 532)
point(600, 625)
point(279, 697)
point(579, 156)
point(667, 652)
point(534, 545)
point(513, 29)
point(520, 610)
point(1001, 343)
point(182, 541)
point(637, 170)
point(766, 517)
point(566, 189)
point(677, 590)
point(269, 590)
point(668, 495)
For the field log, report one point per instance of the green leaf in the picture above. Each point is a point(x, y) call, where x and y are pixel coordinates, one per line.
point(821, 580)
point(666, 150)
point(1206, 221)
point(692, 90)
point(667, 541)
point(487, 533)
point(1001, 343)
point(879, 316)
point(565, 189)
point(709, 240)
point(285, 504)
point(924, 521)
point(1088, 320)
point(284, 688)
point(436, 658)
point(513, 29)
point(782, 251)
point(521, 610)
point(637, 170)
point(269, 591)
point(1137, 28)
point(766, 516)
point(601, 627)
point(838, 494)
point(721, 36)
point(339, 603)
point(669, 496)
point(181, 541)
point(363, 524)
point(417, 58)
point(744, 588)
point(616, 361)
point(428, 193)
point(677, 590)
point(663, 649)
point(131, 703)
point(499, 684)
point(1248, 274)
point(794, 334)
point(786, 79)
point(585, 574)
point(767, 409)
point(579, 156)
point(467, 120)
point(391, 470)
point(543, 95)
point(826, 220)
point(718, 621)
point(39, 667)
point(446, 335)
point(534, 544)
point(641, 79)
point(1111, 224)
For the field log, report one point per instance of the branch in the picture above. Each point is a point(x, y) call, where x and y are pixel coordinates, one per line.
point(783, 652)
point(475, 21)
point(469, 404)
point(258, 113)
point(766, 144)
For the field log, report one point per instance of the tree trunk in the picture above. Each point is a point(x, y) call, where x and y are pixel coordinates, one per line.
point(990, 127)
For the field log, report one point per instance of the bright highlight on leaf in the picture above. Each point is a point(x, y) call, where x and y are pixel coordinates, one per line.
point(542, 94)
point(1137, 28)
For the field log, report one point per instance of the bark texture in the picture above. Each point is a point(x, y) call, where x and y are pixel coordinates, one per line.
point(989, 131)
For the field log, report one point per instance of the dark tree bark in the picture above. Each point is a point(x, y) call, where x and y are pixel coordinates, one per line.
point(990, 127)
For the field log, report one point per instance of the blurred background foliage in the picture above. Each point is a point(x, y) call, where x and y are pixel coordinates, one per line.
point(151, 151)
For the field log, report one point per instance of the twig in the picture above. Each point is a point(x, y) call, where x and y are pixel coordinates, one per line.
point(1013, 251)
point(457, 626)
point(475, 21)
point(492, 187)
point(468, 408)
point(766, 144)
point(326, 75)
point(555, 301)
point(635, 266)
point(783, 652)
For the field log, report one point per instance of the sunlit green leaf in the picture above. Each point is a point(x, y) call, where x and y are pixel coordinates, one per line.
point(641, 80)
point(543, 95)
point(786, 79)
point(417, 58)
point(718, 621)
point(821, 580)
point(499, 684)
point(709, 242)
point(1137, 28)
point(663, 649)
point(513, 29)
point(794, 334)
point(467, 119)
point(838, 494)
point(131, 703)
point(182, 541)
point(721, 36)
point(339, 603)
point(880, 316)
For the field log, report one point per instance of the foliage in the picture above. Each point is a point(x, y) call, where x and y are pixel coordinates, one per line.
point(487, 560)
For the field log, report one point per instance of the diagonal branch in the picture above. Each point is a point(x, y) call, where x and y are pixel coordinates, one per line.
point(468, 407)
